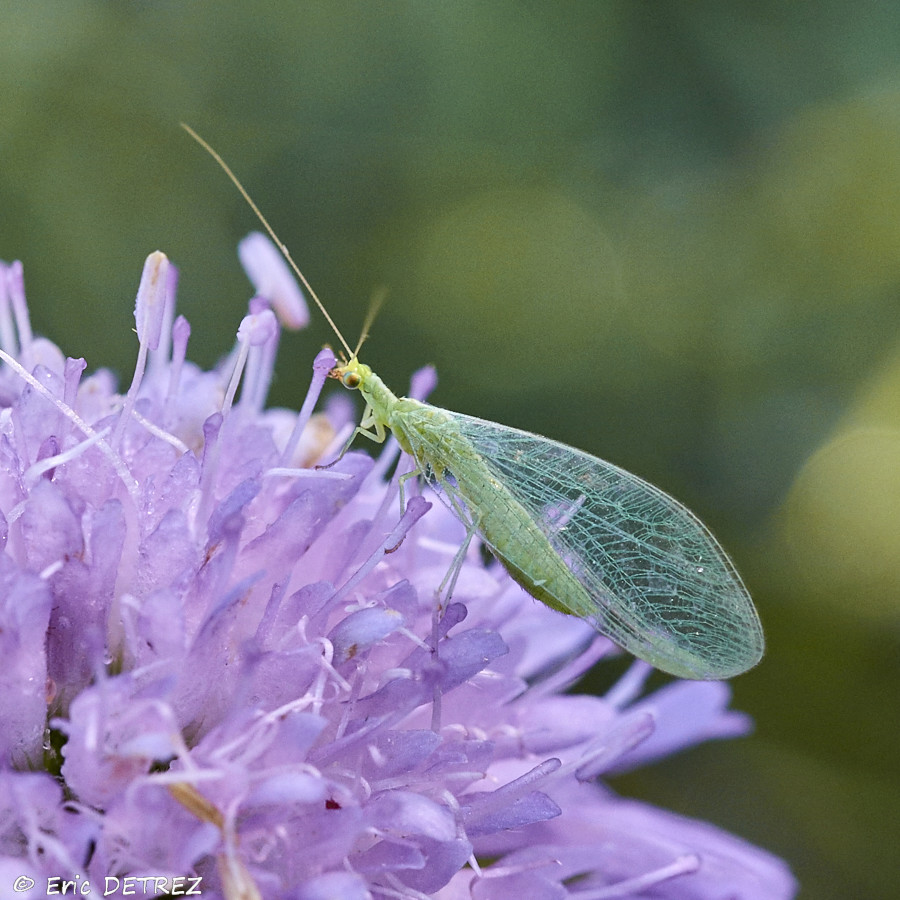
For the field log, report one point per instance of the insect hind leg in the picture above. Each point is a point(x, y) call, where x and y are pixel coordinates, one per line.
point(448, 583)
point(440, 603)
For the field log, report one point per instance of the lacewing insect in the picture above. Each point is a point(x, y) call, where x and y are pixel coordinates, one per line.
point(578, 533)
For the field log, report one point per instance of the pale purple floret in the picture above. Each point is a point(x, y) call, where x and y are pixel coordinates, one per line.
point(222, 662)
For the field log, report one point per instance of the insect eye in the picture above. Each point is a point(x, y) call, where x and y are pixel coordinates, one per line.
point(351, 380)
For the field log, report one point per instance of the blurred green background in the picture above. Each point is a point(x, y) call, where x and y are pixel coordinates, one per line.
point(668, 233)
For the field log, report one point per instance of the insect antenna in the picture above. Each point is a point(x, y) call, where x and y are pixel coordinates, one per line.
point(374, 307)
point(271, 231)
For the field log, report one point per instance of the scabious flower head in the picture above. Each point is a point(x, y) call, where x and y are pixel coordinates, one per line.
point(222, 662)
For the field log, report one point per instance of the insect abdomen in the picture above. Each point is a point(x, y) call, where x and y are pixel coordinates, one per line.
point(523, 548)
point(500, 520)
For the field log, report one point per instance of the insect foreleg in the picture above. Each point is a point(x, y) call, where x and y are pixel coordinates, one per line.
point(369, 427)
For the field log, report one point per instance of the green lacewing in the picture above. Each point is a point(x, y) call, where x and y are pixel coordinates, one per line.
point(578, 533)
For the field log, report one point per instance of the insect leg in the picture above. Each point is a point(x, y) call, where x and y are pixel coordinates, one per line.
point(441, 600)
point(401, 481)
point(449, 582)
point(461, 513)
point(369, 427)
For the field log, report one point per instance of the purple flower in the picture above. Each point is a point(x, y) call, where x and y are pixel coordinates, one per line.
point(221, 662)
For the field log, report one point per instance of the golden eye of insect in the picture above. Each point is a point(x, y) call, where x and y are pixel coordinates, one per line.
point(351, 380)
